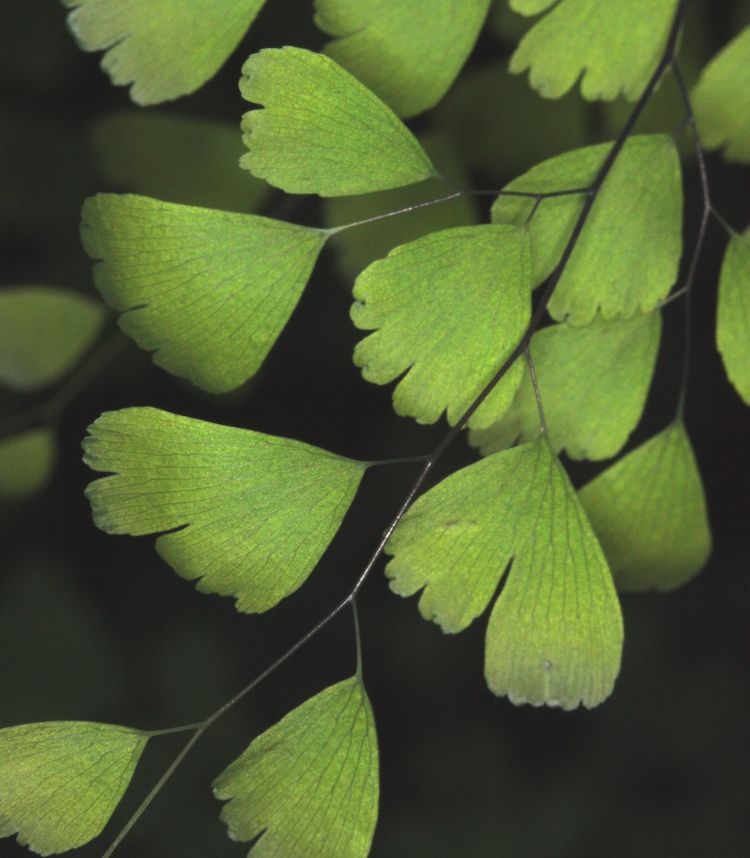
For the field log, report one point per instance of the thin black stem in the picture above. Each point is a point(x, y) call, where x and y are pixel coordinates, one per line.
point(357, 638)
point(701, 237)
point(431, 460)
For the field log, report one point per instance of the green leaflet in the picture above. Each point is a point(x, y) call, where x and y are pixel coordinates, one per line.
point(26, 462)
point(721, 100)
point(733, 314)
point(44, 332)
point(247, 514)
point(361, 245)
point(165, 48)
point(447, 309)
point(208, 291)
point(308, 785)
point(555, 633)
point(61, 780)
point(611, 46)
point(593, 383)
point(649, 511)
point(321, 131)
point(182, 159)
point(407, 53)
point(628, 256)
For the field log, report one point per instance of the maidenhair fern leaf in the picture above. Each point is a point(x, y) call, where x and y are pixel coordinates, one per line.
point(447, 309)
point(181, 159)
point(627, 258)
point(593, 383)
point(407, 53)
point(649, 511)
point(721, 100)
point(44, 332)
point(165, 48)
point(321, 131)
point(612, 46)
point(247, 514)
point(555, 633)
point(308, 786)
point(208, 291)
point(26, 462)
point(733, 314)
point(61, 780)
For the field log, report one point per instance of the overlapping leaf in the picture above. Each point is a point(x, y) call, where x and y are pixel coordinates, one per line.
point(26, 462)
point(247, 514)
point(447, 309)
point(407, 53)
point(165, 48)
point(628, 256)
point(359, 246)
point(721, 100)
point(593, 383)
point(733, 314)
point(61, 780)
point(308, 785)
point(208, 291)
point(649, 511)
point(321, 131)
point(555, 632)
point(182, 159)
point(612, 47)
point(44, 332)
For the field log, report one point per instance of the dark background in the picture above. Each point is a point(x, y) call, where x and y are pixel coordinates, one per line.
point(97, 627)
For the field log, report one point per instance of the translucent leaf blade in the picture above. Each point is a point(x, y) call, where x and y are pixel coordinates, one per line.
point(649, 511)
point(627, 258)
point(321, 131)
point(180, 159)
point(611, 47)
point(164, 48)
point(44, 332)
point(733, 314)
point(555, 633)
point(308, 785)
point(207, 291)
point(409, 299)
point(406, 53)
point(246, 514)
point(593, 382)
point(721, 100)
point(61, 780)
point(26, 462)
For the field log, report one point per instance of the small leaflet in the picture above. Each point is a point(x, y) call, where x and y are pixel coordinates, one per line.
point(244, 514)
point(649, 512)
point(309, 784)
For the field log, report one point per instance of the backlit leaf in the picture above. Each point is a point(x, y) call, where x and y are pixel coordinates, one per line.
point(44, 332)
point(447, 309)
point(182, 159)
point(26, 462)
point(407, 53)
point(555, 632)
point(593, 383)
point(61, 780)
point(733, 314)
point(164, 48)
point(612, 46)
point(321, 131)
point(628, 256)
point(208, 291)
point(308, 785)
point(248, 515)
point(721, 100)
point(649, 511)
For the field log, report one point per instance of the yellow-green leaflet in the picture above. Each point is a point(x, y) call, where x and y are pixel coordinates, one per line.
point(308, 785)
point(733, 314)
point(555, 631)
